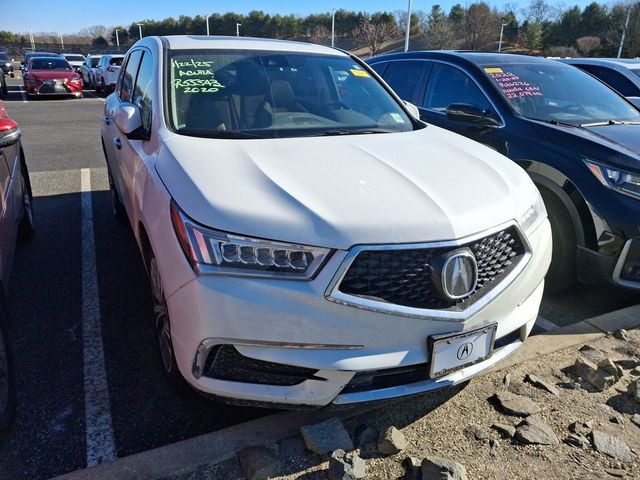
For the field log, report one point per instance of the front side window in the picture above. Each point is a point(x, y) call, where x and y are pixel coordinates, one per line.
point(614, 79)
point(264, 94)
point(116, 61)
point(405, 78)
point(449, 85)
point(555, 92)
point(95, 61)
point(129, 76)
point(143, 90)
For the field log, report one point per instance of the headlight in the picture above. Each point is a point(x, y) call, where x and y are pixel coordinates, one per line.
point(533, 216)
point(624, 182)
point(213, 252)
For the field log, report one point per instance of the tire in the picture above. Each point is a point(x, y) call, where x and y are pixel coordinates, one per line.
point(103, 88)
point(562, 272)
point(97, 87)
point(119, 211)
point(7, 381)
point(26, 229)
point(162, 328)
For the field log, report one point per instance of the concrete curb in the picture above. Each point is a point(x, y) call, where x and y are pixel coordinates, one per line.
point(216, 447)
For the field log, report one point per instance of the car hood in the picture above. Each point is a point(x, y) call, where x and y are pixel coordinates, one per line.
point(337, 192)
point(50, 74)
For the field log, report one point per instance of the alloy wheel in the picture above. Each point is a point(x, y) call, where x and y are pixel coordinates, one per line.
point(161, 317)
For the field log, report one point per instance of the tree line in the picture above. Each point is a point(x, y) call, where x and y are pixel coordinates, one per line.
point(540, 27)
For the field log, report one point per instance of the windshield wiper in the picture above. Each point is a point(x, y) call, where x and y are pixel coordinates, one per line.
point(555, 122)
point(609, 122)
point(349, 131)
point(202, 132)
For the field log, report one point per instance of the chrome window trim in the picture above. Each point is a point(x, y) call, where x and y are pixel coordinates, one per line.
point(482, 90)
point(333, 293)
point(207, 344)
point(617, 270)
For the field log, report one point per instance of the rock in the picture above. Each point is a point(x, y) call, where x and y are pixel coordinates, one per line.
point(634, 390)
point(326, 437)
point(533, 431)
point(636, 420)
point(365, 435)
point(513, 404)
point(258, 463)
point(616, 472)
point(635, 372)
point(346, 466)
point(442, 468)
point(628, 364)
point(506, 380)
point(577, 440)
point(590, 372)
point(617, 419)
point(413, 466)
point(622, 334)
point(611, 446)
point(476, 433)
point(507, 431)
point(570, 385)
point(604, 407)
point(494, 446)
point(592, 354)
point(588, 424)
point(611, 368)
point(391, 441)
point(291, 447)
point(540, 383)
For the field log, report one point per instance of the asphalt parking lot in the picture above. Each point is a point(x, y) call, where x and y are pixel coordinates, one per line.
point(52, 293)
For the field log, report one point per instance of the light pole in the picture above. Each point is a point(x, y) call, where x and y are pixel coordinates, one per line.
point(206, 18)
point(333, 27)
point(33, 43)
point(238, 25)
point(62, 42)
point(501, 32)
point(407, 33)
point(140, 30)
point(117, 39)
point(624, 32)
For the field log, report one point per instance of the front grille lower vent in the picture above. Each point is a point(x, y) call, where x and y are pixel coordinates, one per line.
point(403, 276)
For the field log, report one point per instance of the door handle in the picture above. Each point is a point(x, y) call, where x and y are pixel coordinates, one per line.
point(118, 143)
point(106, 120)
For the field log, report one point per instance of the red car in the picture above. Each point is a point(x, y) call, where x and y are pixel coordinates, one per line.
point(16, 223)
point(51, 76)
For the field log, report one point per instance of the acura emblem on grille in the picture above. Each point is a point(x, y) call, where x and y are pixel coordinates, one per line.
point(459, 274)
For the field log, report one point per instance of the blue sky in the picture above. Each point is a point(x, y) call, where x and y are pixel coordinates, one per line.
point(65, 17)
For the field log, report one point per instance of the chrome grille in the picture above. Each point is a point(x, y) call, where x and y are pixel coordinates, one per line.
point(403, 276)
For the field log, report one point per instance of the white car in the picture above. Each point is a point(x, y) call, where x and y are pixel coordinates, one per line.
point(307, 240)
point(105, 75)
point(76, 60)
point(87, 69)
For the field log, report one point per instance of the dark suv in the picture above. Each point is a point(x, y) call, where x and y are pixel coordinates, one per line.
point(578, 139)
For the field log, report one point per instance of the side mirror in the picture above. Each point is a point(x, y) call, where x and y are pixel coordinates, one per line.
point(413, 110)
point(129, 121)
point(468, 113)
point(9, 133)
point(635, 101)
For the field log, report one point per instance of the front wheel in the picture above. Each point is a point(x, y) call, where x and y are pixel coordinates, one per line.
point(162, 326)
point(562, 272)
point(26, 229)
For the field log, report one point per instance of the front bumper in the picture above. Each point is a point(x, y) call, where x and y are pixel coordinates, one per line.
point(292, 323)
point(59, 88)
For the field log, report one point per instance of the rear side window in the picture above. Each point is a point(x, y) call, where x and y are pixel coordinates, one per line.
point(615, 80)
point(451, 85)
point(405, 77)
point(143, 90)
point(129, 76)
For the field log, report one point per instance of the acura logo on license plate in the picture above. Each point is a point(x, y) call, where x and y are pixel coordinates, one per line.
point(465, 351)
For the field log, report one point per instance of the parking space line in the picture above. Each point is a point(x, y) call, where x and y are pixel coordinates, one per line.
point(23, 94)
point(99, 435)
point(545, 324)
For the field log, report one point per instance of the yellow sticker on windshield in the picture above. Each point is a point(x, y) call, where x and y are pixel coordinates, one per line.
point(493, 70)
point(360, 73)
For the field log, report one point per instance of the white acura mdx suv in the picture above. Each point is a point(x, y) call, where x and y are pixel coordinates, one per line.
point(308, 241)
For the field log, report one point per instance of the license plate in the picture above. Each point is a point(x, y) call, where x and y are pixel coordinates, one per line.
point(453, 352)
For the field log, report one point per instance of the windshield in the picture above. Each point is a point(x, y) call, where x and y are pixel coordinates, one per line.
point(74, 58)
point(49, 64)
point(95, 61)
point(555, 92)
point(261, 94)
